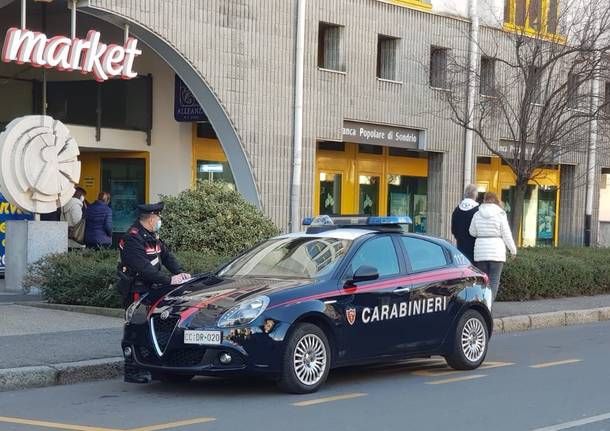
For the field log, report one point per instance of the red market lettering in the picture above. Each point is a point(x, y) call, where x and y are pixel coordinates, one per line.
point(62, 53)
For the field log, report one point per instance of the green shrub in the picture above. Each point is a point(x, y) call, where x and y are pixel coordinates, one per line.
point(555, 272)
point(87, 277)
point(213, 219)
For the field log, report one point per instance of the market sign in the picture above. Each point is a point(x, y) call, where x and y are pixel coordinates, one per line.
point(87, 55)
point(186, 107)
point(389, 136)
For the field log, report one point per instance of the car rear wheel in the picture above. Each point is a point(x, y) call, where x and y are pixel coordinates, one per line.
point(470, 342)
point(306, 360)
point(172, 378)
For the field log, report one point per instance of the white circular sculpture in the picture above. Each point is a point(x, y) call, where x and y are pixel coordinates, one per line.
point(39, 164)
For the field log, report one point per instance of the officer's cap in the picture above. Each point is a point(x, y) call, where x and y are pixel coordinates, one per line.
point(151, 208)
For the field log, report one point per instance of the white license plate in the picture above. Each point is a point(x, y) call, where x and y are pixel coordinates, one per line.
point(202, 337)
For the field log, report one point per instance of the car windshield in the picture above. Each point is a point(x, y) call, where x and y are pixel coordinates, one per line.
point(301, 257)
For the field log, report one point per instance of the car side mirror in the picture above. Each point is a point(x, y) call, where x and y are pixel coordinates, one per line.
point(365, 273)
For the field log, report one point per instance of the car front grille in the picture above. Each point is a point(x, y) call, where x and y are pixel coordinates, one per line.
point(187, 357)
point(164, 328)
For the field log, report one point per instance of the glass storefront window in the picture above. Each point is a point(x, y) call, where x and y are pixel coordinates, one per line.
point(215, 171)
point(369, 195)
point(409, 196)
point(125, 180)
point(330, 193)
point(539, 214)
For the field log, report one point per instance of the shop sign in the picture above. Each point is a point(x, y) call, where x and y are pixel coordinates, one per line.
point(8, 212)
point(389, 136)
point(510, 149)
point(211, 168)
point(88, 55)
point(186, 107)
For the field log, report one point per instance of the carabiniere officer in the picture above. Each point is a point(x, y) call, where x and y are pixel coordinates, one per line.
point(142, 254)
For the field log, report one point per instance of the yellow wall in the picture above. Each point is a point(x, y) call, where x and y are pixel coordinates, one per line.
point(91, 170)
point(495, 177)
point(351, 164)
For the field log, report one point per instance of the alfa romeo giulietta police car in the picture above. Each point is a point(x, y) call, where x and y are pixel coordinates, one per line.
point(345, 292)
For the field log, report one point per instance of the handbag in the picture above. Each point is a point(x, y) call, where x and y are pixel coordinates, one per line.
point(77, 232)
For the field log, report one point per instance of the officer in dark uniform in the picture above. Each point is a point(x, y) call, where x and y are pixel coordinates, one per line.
point(143, 253)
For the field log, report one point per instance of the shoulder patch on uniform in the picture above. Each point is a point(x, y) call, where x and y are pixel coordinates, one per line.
point(134, 231)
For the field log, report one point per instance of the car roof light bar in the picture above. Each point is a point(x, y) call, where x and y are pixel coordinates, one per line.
point(325, 220)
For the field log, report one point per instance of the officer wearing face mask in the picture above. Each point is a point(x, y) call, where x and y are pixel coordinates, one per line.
point(142, 254)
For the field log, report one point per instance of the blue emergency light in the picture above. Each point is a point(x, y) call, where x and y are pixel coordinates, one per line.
point(326, 220)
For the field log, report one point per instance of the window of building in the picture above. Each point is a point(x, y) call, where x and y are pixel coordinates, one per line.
point(534, 82)
point(539, 16)
point(606, 101)
point(408, 196)
point(387, 49)
point(378, 253)
point(438, 67)
point(330, 193)
point(330, 47)
point(488, 76)
point(331, 146)
point(370, 149)
point(213, 170)
point(424, 255)
point(122, 104)
point(572, 91)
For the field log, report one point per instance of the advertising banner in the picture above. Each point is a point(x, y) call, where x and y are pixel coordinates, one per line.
point(8, 212)
point(186, 107)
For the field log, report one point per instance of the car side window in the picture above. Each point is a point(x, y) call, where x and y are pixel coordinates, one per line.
point(377, 252)
point(424, 255)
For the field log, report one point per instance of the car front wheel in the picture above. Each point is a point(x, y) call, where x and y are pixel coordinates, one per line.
point(470, 342)
point(306, 360)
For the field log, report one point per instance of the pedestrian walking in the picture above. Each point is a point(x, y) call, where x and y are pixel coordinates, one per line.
point(461, 219)
point(142, 256)
point(98, 223)
point(73, 213)
point(490, 228)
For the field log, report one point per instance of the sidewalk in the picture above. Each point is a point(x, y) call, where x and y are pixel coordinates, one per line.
point(42, 346)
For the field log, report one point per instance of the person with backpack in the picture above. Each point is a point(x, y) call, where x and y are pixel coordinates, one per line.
point(73, 213)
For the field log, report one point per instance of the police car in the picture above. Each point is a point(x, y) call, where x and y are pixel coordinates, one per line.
point(346, 291)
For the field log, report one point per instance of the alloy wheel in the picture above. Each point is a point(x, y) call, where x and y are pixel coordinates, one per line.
point(309, 359)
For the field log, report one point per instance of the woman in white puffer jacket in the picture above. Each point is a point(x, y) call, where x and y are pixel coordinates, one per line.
point(490, 228)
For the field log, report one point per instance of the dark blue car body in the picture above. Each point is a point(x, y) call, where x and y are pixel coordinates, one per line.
point(411, 314)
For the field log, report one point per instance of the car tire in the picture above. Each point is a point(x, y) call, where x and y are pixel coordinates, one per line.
point(471, 340)
point(306, 361)
point(172, 378)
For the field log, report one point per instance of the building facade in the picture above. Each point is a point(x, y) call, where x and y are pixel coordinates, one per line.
point(377, 134)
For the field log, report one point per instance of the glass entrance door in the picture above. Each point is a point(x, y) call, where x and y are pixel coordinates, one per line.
point(408, 196)
point(369, 195)
point(125, 180)
point(330, 193)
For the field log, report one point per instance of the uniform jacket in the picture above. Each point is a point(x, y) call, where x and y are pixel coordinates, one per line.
point(98, 224)
point(460, 224)
point(490, 228)
point(142, 252)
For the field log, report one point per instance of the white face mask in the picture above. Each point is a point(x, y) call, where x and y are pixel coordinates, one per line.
point(157, 226)
point(82, 199)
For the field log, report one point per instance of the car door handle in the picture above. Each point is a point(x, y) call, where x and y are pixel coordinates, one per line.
point(402, 289)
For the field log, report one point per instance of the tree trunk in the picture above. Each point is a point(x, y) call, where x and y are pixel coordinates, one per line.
point(518, 201)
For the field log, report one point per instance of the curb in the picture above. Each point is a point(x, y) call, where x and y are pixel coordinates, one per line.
point(553, 319)
point(98, 311)
point(60, 374)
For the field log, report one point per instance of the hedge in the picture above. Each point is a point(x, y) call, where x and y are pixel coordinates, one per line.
point(213, 219)
point(87, 277)
point(539, 273)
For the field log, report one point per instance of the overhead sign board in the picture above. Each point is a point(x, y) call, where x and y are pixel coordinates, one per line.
point(389, 136)
point(186, 107)
point(87, 55)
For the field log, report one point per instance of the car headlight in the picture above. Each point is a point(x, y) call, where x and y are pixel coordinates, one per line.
point(243, 313)
point(132, 309)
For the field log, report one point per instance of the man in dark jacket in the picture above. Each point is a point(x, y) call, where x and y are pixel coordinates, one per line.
point(98, 223)
point(143, 253)
point(461, 219)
